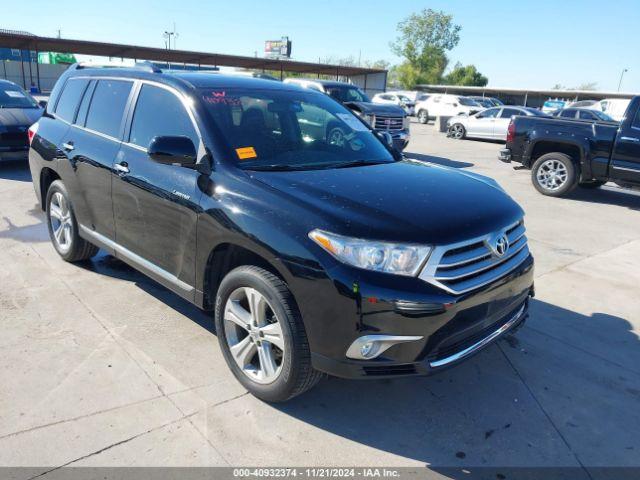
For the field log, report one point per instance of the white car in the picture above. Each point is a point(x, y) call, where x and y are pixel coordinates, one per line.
point(395, 98)
point(491, 123)
point(614, 107)
point(444, 105)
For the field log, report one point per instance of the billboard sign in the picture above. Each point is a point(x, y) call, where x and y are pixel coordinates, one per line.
point(277, 48)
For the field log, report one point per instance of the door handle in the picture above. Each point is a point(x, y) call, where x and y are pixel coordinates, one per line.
point(68, 146)
point(630, 139)
point(122, 167)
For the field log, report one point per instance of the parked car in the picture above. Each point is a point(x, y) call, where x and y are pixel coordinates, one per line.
point(489, 124)
point(18, 111)
point(314, 257)
point(393, 98)
point(443, 105)
point(614, 107)
point(564, 154)
point(391, 119)
point(487, 102)
point(581, 104)
point(551, 106)
point(583, 114)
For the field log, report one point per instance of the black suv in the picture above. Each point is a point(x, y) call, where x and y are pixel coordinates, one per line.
point(315, 257)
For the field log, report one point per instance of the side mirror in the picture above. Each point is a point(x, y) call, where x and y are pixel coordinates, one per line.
point(387, 139)
point(43, 103)
point(173, 150)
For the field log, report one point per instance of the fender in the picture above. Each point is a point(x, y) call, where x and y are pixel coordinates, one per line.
point(563, 145)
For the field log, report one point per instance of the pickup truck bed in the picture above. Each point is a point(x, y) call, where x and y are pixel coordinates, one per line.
point(575, 152)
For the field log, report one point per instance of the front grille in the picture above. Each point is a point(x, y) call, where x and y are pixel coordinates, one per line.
point(388, 123)
point(14, 139)
point(470, 265)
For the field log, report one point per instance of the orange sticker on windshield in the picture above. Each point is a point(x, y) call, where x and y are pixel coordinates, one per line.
point(246, 152)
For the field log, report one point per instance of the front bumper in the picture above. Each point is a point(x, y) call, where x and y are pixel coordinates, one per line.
point(450, 328)
point(504, 155)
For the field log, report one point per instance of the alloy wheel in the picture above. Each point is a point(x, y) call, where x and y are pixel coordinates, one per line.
point(61, 223)
point(457, 131)
point(552, 175)
point(254, 335)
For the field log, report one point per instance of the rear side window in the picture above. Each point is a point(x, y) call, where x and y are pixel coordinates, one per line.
point(568, 113)
point(159, 112)
point(509, 112)
point(107, 106)
point(70, 98)
point(587, 116)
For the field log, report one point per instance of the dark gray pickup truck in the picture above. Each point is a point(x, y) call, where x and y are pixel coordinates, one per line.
point(564, 154)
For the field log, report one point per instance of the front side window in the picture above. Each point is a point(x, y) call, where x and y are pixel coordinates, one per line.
point(70, 98)
point(509, 112)
point(490, 113)
point(14, 97)
point(159, 112)
point(107, 106)
point(283, 130)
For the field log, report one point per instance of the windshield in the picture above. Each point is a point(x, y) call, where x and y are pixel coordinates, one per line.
point(347, 94)
point(14, 97)
point(467, 102)
point(290, 130)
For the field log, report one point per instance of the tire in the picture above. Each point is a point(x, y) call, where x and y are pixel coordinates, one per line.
point(457, 131)
point(260, 357)
point(592, 185)
point(423, 117)
point(63, 227)
point(554, 174)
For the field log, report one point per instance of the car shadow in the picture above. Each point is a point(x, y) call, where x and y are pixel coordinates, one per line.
point(16, 170)
point(446, 162)
point(35, 232)
point(608, 195)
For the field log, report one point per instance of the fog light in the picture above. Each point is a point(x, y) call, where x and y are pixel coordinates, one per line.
point(367, 349)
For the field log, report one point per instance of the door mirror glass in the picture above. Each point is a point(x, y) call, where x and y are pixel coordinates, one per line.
point(173, 150)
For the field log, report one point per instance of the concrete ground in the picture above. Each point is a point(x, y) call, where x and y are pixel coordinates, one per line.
point(100, 366)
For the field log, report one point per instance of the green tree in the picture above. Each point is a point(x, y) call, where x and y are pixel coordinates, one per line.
point(465, 75)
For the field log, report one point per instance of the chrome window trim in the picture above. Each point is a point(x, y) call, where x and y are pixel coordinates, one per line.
point(428, 272)
point(141, 262)
point(481, 343)
point(626, 169)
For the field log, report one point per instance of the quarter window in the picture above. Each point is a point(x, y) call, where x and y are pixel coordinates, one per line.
point(69, 98)
point(159, 112)
point(107, 106)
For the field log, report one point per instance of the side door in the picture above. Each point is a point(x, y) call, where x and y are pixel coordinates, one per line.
point(481, 124)
point(156, 205)
point(91, 144)
point(625, 159)
point(501, 124)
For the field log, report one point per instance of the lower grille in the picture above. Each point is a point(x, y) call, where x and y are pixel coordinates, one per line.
point(385, 370)
point(469, 265)
point(388, 123)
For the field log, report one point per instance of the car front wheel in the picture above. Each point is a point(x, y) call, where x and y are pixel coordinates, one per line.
point(262, 336)
point(457, 131)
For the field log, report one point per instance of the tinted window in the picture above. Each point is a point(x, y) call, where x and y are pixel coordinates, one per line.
point(159, 112)
point(107, 106)
point(509, 112)
point(84, 105)
point(280, 129)
point(586, 116)
point(636, 120)
point(69, 99)
point(568, 113)
point(467, 102)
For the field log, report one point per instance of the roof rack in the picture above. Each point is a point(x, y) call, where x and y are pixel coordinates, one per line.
point(143, 66)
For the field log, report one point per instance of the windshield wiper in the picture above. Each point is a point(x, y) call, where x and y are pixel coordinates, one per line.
point(276, 168)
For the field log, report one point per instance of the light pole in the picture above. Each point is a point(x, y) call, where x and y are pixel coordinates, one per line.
point(622, 75)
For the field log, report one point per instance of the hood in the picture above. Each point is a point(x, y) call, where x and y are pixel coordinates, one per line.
point(19, 117)
point(376, 109)
point(407, 201)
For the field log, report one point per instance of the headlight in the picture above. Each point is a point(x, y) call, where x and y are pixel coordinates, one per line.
point(400, 259)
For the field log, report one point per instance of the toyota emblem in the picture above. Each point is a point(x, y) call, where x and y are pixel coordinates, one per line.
point(501, 245)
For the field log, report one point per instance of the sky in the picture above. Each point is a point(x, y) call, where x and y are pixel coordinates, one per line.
point(515, 43)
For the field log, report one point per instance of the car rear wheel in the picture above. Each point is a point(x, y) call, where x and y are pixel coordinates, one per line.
point(262, 335)
point(423, 116)
point(554, 174)
point(457, 131)
point(63, 227)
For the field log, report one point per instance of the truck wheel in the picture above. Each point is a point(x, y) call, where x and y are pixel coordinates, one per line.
point(63, 227)
point(457, 131)
point(554, 174)
point(423, 117)
point(262, 336)
point(592, 185)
